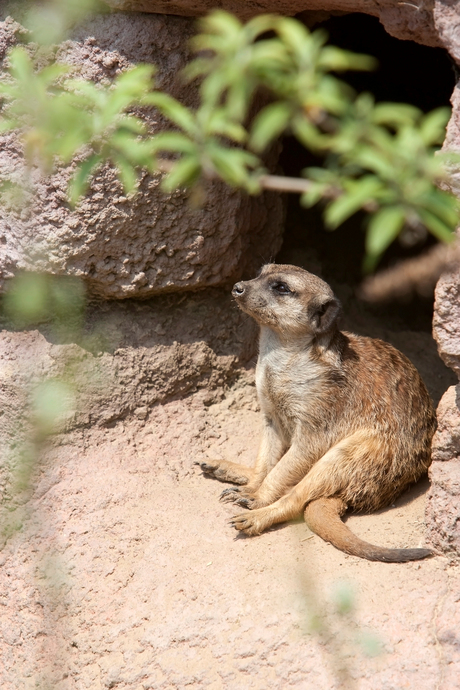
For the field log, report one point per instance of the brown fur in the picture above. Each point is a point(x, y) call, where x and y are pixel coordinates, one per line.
point(348, 421)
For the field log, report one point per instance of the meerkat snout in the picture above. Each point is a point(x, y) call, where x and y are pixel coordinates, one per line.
point(238, 289)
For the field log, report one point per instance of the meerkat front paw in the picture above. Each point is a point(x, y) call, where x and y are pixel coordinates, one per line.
point(226, 471)
point(213, 468)
point(230, 495)
point(207, 467)
point(241, 497)
point(253, 523)
point(249, 501)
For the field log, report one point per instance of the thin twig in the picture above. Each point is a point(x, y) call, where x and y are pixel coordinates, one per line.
point(295, 185)
point(280, 183)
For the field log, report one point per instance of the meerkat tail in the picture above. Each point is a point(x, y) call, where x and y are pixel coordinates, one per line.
point(323, 517)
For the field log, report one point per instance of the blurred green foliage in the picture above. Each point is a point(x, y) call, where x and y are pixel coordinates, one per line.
point(34, 298)
point(377, 157)
point(59, 118)
point(49, 398)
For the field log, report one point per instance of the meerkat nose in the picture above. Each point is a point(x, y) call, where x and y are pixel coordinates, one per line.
point(238, 289)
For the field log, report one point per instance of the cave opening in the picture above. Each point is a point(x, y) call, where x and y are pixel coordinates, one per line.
point(410, 73)
point(407, 72)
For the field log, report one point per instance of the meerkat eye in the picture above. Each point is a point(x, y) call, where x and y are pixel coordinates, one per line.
point(281, 288)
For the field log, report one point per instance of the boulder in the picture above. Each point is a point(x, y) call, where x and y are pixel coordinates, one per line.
point(407, 21)
point(149, 243)
point(446, 319)
point(443, 507)
point(446, 14)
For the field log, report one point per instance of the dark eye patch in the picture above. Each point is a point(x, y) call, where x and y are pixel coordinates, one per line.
point(280, 287)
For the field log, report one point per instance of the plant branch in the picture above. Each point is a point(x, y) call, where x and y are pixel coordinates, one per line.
point(419, 274)
point(280, 183)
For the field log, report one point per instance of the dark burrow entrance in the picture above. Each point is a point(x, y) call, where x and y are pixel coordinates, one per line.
point(409, 73)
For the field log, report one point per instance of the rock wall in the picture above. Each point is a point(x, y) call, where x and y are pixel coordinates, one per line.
point(129, 358)
point(443, 508)
point(149, 243)
point(430, 22)
point(413, 21)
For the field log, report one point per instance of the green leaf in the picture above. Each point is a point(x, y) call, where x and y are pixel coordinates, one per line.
point(355, 195)
point(80, 180)
point(433, 126)
point(134, 80)
point(314, 194)
point(197, 68)
point(294, 34)
point(268, 125)
point(221, 23)
point(27, 299)
point(185, 172)
point(221, 122)
point(239, 98)
point(395, 114)
point(384, 226)
point(137, 152)
point(173, 110)
point(21, 65)
point(371, 158)
point(436, 226)
point(127, 173)
point(230, 164)
point(6, 125)
point(132, 124)
point(443, 205)
point(308, 134)
point(336, 59)
point(51, 400)
point(173, 141)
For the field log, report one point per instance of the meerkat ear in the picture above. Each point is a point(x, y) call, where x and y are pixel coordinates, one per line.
point(325, 315)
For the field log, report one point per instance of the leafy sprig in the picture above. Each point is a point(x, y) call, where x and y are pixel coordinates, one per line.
point(379, 158)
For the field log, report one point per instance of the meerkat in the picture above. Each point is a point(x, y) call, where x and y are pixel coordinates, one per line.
point(347, 420)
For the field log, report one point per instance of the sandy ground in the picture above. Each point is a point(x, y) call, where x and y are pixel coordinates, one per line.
point(126, 575)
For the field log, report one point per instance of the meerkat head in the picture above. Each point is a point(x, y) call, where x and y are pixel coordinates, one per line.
point(289, 300)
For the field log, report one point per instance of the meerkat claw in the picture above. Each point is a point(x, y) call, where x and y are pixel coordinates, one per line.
point(206, 467)
point(228, 495)
point(239, 521)
point(243, 501)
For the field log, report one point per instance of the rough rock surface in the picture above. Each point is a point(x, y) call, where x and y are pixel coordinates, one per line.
point(443, 513)
point(446, 321)
point(447, 25)
point(430, 22)
point(130, 357)
point(150, 243)
point(446, 442)
point(443, 508)
point(408, 21)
